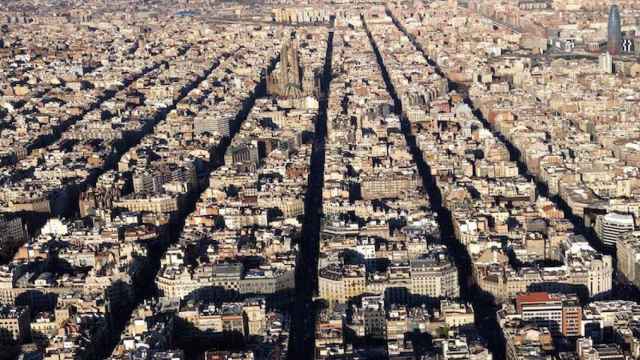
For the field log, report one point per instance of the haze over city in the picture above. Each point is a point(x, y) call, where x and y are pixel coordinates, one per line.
point(327, 180)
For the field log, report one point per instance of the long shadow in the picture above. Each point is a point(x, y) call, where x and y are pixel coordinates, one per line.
point(32, 222)
point(171, 233)
point(620, 289)
point(514, 152)
point(137, 137)
point(71, 204)
point(483, 302)
point(195, 341)
point(302, 338)
point(70, 209)
point(45, 141)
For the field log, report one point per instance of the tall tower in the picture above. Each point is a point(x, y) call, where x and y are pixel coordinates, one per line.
point(614, 32)
point(293, 68)
point(284, 63)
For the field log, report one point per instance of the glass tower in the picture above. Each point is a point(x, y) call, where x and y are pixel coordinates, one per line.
point(614, 33)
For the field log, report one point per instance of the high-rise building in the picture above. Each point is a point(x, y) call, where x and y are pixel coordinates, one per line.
point(218, 123)
point(12, 231)
point(560, 313)
point(606, 63)
point(614, 32)
point(14, 323)
point(373, 316)
point(541, 308)
point(612, 226)
point(628, 251)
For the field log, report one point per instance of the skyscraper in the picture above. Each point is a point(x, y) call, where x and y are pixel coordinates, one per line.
point(614, 32)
